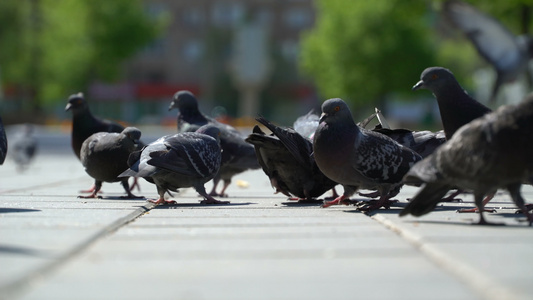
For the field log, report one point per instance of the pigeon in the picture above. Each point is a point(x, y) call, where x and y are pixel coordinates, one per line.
point(422, 142)
point(286, 158)
point(105, 156)
point(23, 147)
point(507, 53)
point(3, 143)
point(306, 125)
point(85, 124)
point(237, 155)
point(489, 153)
point(456, 107)
point(359, 158)
point(187, 159)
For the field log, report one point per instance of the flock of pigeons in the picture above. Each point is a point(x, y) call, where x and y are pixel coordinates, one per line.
point(478, 150)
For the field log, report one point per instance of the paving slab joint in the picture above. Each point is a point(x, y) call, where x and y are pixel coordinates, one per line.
point(479, 282)
point(17, 287)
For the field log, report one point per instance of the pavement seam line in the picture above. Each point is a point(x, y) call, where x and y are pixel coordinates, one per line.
point(483, 285)
point(19, 286)
point(49, 184)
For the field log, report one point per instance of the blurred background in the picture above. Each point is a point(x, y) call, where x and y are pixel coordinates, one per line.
point(279, 58)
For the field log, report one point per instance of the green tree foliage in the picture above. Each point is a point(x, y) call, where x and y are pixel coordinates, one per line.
point(363, 50)
point(53, 47)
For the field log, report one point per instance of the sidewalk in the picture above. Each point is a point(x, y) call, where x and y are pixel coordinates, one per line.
point(54, 245)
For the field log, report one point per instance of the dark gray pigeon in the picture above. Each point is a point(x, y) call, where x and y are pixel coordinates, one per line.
point(85, 124)
point(422, 142)
point(456, 107)
point(23, 146)
point(489, 153)
point(187, 159)
point(105, 156)
point(237, 155)
point(359, 158)
point(286, 158)
point(3, 142)
point(507, 53)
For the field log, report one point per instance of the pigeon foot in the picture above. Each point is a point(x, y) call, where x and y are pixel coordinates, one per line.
point(376, 204)
point(475, 210)
point(162, 200)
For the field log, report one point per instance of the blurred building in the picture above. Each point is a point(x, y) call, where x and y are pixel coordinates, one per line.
point(195, 51)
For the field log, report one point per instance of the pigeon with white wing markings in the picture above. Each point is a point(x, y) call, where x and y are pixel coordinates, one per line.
point(358, 158)
point(237, 156)
point(489, 153)
point(187, 159)
point(507, 53)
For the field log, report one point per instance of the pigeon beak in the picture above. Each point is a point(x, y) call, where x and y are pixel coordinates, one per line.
point(322, 117)
point(171, 106)
point(68, 107)
point(418, 85)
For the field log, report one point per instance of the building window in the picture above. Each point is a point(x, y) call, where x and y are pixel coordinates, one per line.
point(192, 50)
point(227, 13)
point(193, 17)
point(297, 17)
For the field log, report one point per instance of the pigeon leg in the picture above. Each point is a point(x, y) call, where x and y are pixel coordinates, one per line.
point(90, 190)
point(334, 194)
point(161, 200)
point(383, 201)
point(223, 191)
point(97, 186)
point(214, 189)
point(479, 204)
point(451, 197)
point(474, 210)
point(207, 198)
point(128, 190)
point(135, 184)
point(337, 201)
point(514, 190)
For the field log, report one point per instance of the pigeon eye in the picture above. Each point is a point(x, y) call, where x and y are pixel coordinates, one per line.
point(337, 108)
point(434, 76)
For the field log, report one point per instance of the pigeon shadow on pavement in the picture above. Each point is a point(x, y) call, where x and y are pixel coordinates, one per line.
point(4, 210)
point(25, 251)
point(199, 205)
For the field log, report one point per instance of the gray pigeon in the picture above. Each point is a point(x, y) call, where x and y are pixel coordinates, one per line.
point(359, 158)
point(187, 159)
point(422, 142)
point(3, 142)
point(456, 107)
point(286, 158)
point(237, 155)
point(85, 124)
point(105, 156)
point(489, 153)
point(507, 53)
point(23, 147)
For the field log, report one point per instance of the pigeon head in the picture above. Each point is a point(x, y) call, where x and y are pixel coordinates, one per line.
point(132, 133)
point(210, 130)
point(76, 103)
point(184, 101)
point(436, 79)
point(334, 110)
